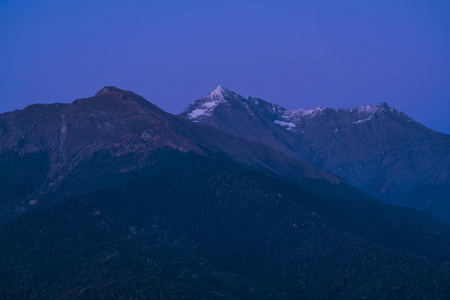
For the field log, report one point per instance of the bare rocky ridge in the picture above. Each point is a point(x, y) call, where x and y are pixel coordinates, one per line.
point(379, 150)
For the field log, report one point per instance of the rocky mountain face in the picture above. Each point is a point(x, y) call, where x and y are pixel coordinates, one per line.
point(111, 197)
point(379, 150)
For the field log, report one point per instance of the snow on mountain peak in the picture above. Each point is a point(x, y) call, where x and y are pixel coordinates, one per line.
point(205, 106)
point(217, 93)
point(219, 88)
point(291, 120)
point(367, 108)
point(293, 115)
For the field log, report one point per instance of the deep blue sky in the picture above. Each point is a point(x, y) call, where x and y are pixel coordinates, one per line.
point(299, 54)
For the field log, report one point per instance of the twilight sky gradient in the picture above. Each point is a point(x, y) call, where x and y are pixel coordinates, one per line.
point(299, 54)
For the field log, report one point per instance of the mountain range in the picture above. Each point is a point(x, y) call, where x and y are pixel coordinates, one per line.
point(111, 197)
point(61, 136)
point(379, 150)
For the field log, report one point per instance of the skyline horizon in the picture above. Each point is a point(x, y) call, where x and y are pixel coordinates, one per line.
point(161, 105)
point(298, 54)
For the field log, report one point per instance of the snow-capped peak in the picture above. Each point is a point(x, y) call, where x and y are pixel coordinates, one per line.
point(217, 93)
point(218, 89)
point(205, 106)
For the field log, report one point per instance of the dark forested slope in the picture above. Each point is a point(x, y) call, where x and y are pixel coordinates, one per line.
point(186, 226)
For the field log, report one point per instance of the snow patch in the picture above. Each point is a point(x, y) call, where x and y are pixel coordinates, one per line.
point(298, 113)
point(212, 104)
point(363, 111)
point(367, 109)
point(289, 125)
point(362, 120)
point(196, 113)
